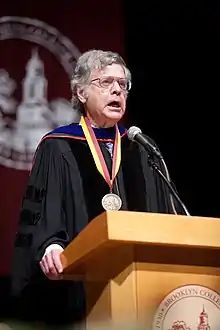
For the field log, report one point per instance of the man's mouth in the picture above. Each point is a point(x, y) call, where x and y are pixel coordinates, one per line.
point(114, 105)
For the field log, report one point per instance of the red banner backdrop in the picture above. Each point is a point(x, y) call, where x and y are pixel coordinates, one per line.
point(39, 44)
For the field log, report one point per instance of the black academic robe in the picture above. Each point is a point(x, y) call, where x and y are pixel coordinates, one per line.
point(63, 195)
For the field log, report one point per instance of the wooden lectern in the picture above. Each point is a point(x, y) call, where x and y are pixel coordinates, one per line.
point(131, 260)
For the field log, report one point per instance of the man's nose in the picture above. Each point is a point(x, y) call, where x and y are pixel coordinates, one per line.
point(115, 88)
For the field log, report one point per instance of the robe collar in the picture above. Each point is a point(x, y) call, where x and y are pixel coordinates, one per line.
point(75, 131)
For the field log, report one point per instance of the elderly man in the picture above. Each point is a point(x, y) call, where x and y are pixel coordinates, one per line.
point(79, 171)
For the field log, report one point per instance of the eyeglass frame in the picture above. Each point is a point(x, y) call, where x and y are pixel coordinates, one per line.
point(114, 79)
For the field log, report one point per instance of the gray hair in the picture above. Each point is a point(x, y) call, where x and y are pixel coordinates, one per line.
point(87, 62)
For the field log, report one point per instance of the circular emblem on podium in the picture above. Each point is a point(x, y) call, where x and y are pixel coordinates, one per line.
point(189, 307)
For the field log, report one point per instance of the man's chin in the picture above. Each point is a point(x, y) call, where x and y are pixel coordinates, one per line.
point(114, 115)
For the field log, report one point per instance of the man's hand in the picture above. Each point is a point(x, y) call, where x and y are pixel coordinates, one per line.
point(51, 264)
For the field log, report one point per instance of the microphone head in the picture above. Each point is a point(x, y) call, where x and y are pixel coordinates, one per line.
point(132, 131)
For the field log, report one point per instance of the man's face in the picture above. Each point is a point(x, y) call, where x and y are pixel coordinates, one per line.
point(106, 96)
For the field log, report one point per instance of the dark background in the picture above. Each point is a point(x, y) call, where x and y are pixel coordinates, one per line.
point(172, 50)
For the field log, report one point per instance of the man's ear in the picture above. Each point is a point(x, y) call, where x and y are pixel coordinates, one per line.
point(81, 94)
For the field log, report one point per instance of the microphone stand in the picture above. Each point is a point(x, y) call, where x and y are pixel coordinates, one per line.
point(168, 183)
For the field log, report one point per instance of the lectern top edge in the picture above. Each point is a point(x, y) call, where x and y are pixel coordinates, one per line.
point(135, 228)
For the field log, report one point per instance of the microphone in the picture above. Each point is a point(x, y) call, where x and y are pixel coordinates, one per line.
point(135, 134)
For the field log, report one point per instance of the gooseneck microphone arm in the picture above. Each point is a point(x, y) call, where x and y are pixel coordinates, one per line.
point(169, 185)
point(135, 134)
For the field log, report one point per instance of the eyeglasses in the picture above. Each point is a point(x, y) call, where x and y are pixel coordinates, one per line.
point(107, 81)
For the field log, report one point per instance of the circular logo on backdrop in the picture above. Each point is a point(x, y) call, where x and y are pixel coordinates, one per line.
point(31, 104)
point(190, 307)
